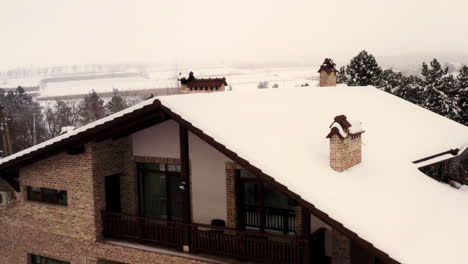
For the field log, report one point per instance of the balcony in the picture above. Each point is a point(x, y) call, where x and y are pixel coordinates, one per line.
point(220, 241)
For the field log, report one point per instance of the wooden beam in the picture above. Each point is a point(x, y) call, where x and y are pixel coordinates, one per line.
point(305, 223)
point(185, 184)
point(185, 171)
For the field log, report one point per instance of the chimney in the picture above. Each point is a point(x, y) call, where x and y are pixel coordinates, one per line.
point(327, 73)
point(345, 143)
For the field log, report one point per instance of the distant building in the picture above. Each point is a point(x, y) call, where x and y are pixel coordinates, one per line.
point(328, 73)
point(195, 85)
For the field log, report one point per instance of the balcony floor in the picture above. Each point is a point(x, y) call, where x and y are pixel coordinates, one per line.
point(164, 250)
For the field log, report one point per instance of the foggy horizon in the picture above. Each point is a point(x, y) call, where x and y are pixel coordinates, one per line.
point(54, 32)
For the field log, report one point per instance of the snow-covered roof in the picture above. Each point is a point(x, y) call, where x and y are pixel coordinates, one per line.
point(385, 199)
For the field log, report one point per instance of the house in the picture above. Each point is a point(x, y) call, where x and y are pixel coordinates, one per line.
point(327, 73)
point(318, 175)
point(205, 85)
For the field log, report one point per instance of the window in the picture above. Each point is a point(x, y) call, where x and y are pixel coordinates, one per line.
point(263, 208)
point(43, 260)
point(160, 192)
point(46, 195)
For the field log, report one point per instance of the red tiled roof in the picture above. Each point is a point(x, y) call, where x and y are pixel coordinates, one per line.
point(192, 82)
point(216, 82)
point(328, 66)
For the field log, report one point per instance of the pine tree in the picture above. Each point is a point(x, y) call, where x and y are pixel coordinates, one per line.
point(410, 90)
point(91, 108)
point(63, 114)
point(462, 84)
point(439, 91)
point(363, 70)
point(341, 76)
point(25, 118)
point(116, 103)
point(434, 73)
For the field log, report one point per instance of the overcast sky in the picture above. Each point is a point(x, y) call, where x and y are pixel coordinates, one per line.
point(49, 32)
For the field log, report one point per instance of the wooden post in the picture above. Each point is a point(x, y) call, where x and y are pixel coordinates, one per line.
point(261, 205)
point(185, 178)
point(306, 234)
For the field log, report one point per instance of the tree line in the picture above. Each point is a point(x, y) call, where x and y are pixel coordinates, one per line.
point(434, 88)
point(29, 123)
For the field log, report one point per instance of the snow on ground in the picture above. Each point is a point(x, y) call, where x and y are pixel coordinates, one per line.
point(237, 78)
point(23, 82)
point(103, 86)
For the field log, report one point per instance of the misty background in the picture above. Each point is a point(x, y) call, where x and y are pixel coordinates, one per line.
point(401, 34)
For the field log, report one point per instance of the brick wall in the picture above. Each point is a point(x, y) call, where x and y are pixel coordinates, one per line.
point(63, 172)
point(231, 190)
point(345, 153)
point(327, 79)
point(109, 158)
point(73, 233)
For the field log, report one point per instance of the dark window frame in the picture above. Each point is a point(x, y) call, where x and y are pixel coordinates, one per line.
point(43, 198)
point(162, 168)
point(44, 260)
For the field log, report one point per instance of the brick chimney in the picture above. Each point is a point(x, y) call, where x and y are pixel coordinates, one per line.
point(345, 143)
point(327, 73)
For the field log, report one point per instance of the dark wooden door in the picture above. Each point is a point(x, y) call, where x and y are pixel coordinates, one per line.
point(112, 185)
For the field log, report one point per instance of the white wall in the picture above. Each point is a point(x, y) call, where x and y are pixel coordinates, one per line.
point(207, 167)
point(160, 141)
point(208, 181)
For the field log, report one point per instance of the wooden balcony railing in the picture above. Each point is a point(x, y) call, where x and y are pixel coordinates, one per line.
point(228, 242)
point(145, 229)
point(275, 219)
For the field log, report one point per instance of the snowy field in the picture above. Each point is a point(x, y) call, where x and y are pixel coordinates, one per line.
point(237, 78)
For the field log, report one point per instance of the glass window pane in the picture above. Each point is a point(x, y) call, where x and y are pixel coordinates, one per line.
point(172, 167)
point(62, 197)
point(245, 174)
point(153, 166)
point(154, 195)
point(251, 210)
point(175, 195)
point(35, 259)
point(34, 194)
point(250, 194)
point(275, 199)
point(49, 195)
